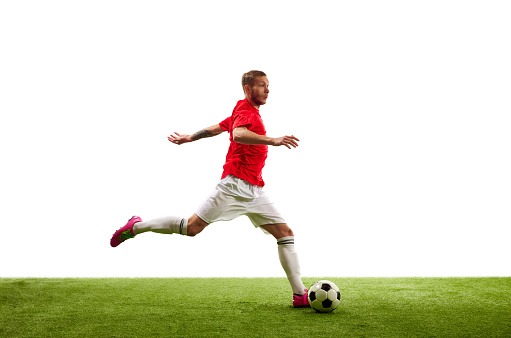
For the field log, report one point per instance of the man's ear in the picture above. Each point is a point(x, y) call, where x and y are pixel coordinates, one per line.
point(246, 89)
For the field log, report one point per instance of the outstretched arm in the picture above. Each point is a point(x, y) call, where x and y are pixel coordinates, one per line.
point(244, 136)
point(206, 132)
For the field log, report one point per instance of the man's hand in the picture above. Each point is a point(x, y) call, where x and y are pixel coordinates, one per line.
point(179, 139)
point(288, 141)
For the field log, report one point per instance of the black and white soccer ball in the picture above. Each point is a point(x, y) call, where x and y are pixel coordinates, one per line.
point(324, 296)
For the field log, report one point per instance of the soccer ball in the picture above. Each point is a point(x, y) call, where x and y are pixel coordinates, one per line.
point(324, 296)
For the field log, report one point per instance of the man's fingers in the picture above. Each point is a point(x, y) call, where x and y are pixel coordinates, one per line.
point(173, 139)
point(288, 142)
point(291, 140)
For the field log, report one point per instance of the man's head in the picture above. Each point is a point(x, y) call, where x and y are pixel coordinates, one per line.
point(255, 85)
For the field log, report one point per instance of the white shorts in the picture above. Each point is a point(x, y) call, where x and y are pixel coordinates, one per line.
point(234, 197)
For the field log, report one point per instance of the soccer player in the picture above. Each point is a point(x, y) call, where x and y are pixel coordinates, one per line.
point(240, 189)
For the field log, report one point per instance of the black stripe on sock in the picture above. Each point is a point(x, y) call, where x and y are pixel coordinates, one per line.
point(181, 226)
point(286, 242)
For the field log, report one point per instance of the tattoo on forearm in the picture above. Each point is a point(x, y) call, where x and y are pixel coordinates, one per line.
point(202, 134)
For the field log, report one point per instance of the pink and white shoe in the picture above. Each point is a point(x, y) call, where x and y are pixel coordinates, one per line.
point(301, 300)
point(124, 233)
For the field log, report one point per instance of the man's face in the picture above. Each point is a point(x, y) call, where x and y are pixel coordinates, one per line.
point(259, 93)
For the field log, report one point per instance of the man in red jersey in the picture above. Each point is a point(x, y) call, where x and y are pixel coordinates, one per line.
point(240, 189)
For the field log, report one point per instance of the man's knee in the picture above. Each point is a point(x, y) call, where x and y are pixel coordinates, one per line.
point(278, 230)
point(195, 225)
point(286, 231)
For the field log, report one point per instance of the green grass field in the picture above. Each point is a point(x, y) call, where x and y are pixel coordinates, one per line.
point(252, 307)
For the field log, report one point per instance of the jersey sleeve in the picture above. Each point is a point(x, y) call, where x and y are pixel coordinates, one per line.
point(226, 124)
point(242, 118)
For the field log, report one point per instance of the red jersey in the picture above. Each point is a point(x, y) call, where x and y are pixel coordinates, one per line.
point(245, 161)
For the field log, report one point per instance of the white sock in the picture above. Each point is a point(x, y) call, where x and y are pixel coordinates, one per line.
point(165, 225)
point(289, 260)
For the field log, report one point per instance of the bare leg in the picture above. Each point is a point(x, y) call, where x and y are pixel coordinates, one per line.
point(278, 230)
point(195, 225)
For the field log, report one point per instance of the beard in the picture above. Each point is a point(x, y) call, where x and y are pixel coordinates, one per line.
point(256, 100)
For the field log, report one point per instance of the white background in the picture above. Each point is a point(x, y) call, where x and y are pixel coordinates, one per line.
point(402, 108)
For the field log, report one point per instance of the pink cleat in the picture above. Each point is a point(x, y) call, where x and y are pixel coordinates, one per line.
point(301, 300)
point(124, 233)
